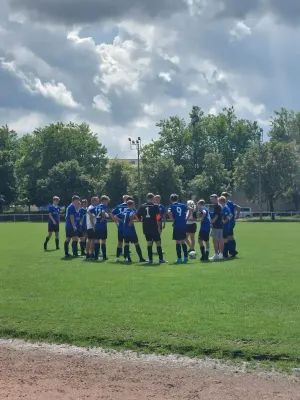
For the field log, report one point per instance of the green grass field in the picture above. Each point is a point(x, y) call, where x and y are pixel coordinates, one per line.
point(247, 308)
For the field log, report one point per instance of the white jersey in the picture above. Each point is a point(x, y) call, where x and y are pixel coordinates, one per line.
point(191, 217)
point(88, 222)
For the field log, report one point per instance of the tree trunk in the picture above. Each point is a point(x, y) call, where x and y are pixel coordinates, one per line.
point(29, 209)
point(271, 202)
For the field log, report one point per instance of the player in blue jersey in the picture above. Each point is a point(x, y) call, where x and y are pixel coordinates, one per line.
point(82, 231)
point(162, 210)
point(100, 226)
point(235, 212)
point(72, 218)
point(118, 210)
point(179, 213)
point(226, 214)
point(53, 222)
point(127, 218)
point(204, 230)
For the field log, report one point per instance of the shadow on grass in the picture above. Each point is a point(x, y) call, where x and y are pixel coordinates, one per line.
point(147, 347)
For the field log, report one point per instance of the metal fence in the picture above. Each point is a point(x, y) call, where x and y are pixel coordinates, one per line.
point(291, 216)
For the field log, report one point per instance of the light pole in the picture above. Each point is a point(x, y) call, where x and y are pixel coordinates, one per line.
point(260, 137)
point(137, 145)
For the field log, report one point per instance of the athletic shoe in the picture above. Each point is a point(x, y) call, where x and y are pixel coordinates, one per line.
point(45, 246)
point(117, 259)
point(186, 260)
point(57, 248)
point(163, 261)
point(149, 261)
point(221, 257)
point(105, 259)
point(214, 258)
point(143, 260)
point(235, 254)
point(178, 261)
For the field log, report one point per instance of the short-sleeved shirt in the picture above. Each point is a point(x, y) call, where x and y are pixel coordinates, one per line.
point(71, 210)
point(101, 223)
point(149, 213)
point(226, 214)
point(83, 214)
point(128, 230)
point(119, 210)
point(232, 206)
point(162, 210)
point(205, 224)
point(179, 211)
point(192, 218)
point(218, 212)
point(54, 211)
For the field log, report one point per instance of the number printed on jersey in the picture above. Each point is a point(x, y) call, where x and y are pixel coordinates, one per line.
point(148, 215)
point(179, 211)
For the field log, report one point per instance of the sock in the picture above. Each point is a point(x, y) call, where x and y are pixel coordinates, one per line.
point(160, 253)
point(119, 252)
point(47, 240)
point(66, 246)
point(202, 251)
point(225, 252)
point(234, 246)
point(97, 250)
point(207, 253)
point(178, 250)
point(185, 250)
point(57, 243)
point(103, 248)
point(82, 248)
point(150, 253)
point(139, 251)
point(75, 249)
point(126, 252)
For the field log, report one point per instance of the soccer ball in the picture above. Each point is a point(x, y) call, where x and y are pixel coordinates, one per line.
point(192, 254)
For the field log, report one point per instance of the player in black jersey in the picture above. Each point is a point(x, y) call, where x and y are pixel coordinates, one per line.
point(149, 213)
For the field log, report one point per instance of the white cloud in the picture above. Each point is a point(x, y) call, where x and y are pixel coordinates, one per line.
point(240, 30)
point(166, 76)
point(55, 91)
point(102, 103)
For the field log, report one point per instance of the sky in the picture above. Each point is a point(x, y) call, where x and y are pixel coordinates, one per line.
point(122, 65)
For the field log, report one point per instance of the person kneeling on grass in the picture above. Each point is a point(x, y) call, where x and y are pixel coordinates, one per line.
point(127, 217)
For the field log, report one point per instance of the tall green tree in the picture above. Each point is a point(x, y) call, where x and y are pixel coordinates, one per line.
point(121, 179)
point(279, 171)
point(64, 180)
point(8, 155)
point(285, 126)
point(51, 145)
point(215, 178)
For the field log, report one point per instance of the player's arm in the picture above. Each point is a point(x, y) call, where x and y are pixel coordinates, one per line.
point(238, 211)
point(189, 213)
point(164, 218)
point(72, 219)
point(58, 217)
point(170, 214)
point(114, 214)
point(131, 219)
point(52, 219)
point(203, 214)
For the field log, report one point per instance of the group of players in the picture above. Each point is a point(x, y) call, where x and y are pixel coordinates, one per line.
point(88, 226)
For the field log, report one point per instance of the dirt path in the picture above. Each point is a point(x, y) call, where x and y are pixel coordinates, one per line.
point(49, 372)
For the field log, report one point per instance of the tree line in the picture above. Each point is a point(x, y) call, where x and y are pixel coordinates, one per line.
point(192, 158)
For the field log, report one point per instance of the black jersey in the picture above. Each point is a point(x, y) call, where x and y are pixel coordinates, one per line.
point(149, 213)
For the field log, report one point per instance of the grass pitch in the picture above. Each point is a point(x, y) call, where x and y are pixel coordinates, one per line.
point(247, 308)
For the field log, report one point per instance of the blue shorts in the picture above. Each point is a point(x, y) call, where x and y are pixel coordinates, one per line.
point(101, 234)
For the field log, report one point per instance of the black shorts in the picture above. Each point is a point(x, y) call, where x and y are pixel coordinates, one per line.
point(226, 234)
point(179, 233)
point(80, 233)
point(120, 235)
point(131, 239)
point(91, 234)
point(70, 233)
point(153, 236)
point(53, 228)
point(191, 228)
point(204, 236)
point(101, 234)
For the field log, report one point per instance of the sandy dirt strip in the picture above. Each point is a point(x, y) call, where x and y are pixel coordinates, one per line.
point(53, 372)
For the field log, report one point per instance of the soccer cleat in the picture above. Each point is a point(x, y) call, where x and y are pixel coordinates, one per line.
point(221, 257)
point(149, 261)
point(186, 260)
point(235, 253)
point(178, 261)
point(45, 246)
point(163, 261)
point(142, 260)
point(214, 257)
point(104, 259)
point(118, 259)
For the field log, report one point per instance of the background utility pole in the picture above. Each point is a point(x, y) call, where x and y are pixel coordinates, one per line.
point(137, 145)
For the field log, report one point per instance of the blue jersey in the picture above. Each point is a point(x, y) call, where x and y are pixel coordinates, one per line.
point(83, 213)
point(226, 213)
point(178, 211)
point(101, 223)
point(128, 230)
point(119, 210)
point(162, 210)
point(205, 224)
point(54, 211)
point(232, 206)
point(71, 210)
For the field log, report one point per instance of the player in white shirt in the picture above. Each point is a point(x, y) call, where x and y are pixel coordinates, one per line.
point(191, 225)
point(90, 223)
